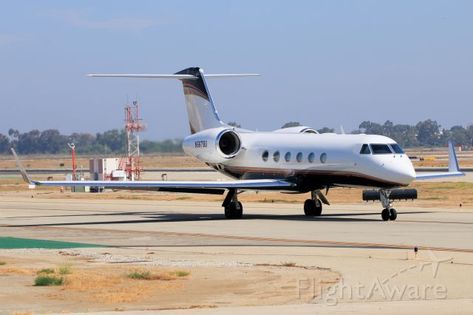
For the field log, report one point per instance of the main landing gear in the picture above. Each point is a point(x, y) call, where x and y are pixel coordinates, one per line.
point(233, 208)
point(388, 213)
point(313, 206)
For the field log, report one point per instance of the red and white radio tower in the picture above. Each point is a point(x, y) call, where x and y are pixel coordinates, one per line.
point(133, 125)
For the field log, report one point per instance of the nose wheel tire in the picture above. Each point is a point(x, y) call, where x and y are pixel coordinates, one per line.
point(312, 208)
point(385, 214)
point(234, 210)
point(389, 214)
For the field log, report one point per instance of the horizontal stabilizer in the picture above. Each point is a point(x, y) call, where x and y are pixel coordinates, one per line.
point(170, 76)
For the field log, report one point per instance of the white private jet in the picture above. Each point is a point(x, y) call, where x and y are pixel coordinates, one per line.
point(293, 160)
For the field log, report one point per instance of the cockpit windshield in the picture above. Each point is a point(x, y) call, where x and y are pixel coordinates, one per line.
point(365, 149)
point(396, 148)
point(380, 149)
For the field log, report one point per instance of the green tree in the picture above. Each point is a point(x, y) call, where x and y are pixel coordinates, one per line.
point(4, 144)
point(458, 135)
point(428, 133)
point(28, 142)
point(112, 140)
point(51, 141)
point(371, 128)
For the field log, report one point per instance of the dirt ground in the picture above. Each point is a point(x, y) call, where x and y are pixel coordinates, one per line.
point(93, 284)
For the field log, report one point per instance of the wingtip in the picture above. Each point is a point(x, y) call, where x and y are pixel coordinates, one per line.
point(22, 170)
point(453, 166)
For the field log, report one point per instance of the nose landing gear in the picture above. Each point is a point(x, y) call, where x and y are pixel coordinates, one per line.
point(388, 212)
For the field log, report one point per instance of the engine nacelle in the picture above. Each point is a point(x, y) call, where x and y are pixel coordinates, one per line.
point(396, 194)
point(297, 129)
point(213, 145)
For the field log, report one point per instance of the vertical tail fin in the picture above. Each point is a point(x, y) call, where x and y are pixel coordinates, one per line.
point(201, 109)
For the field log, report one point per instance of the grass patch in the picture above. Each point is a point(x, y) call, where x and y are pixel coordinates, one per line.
point(2, 263)
point(47, 280)
point(65, 270)
point(139, 275)
point(46, 271)
point(181, 273)
point(148, 275)
point(183, 198)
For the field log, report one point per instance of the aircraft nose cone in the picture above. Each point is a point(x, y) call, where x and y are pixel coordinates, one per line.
point(407, 173)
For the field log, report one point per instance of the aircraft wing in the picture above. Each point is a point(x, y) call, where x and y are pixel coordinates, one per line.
point(206, 187)
point(453, 168)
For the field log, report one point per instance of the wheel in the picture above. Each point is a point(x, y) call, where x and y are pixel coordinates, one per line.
point(234, 210)
point(238, 210)
point(309, 208)
point(318, 207)
point(385, 214)
point(392, 214)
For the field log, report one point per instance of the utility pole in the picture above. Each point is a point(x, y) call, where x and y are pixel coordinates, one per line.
point(74, 164)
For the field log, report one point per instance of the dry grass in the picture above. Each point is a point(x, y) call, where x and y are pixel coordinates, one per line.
point(65, 269)
point(113, 285)
point(55, 162)
point(17, 271)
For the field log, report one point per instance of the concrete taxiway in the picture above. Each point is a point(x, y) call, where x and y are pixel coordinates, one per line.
point(378, 266)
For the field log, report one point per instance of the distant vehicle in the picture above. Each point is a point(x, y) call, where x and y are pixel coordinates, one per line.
point(294, 160)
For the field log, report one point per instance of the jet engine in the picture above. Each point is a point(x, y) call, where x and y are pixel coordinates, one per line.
point(213, 145)
point(395, 194)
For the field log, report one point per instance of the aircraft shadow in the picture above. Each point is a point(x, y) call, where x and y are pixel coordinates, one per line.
point(153, 217)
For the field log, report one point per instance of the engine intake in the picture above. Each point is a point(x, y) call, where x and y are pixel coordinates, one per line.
point(396, 194)
point(214, 146)
point(229, 143)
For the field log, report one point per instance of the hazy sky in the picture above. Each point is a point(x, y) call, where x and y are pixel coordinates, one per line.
point(323, 63)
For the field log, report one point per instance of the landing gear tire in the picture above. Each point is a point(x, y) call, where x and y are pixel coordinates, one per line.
point(385, 214)
point(389, 214)
point(312, 208)
point(234, 210)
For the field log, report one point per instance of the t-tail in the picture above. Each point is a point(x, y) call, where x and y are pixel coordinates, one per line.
point(201, 109)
